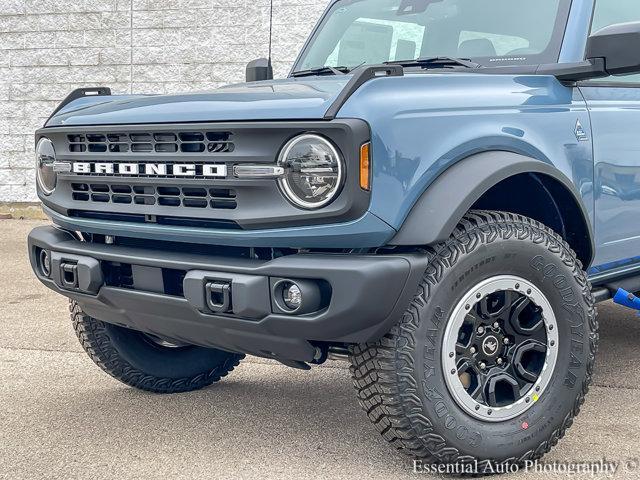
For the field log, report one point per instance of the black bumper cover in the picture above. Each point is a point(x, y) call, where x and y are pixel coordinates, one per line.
point(368, 294)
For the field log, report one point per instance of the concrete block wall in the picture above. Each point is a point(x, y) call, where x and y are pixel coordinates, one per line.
point(50, 47)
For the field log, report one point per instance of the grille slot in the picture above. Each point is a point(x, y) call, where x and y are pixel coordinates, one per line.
point(145, 142)
point(159, 219)
point(166, 196)
point(118, 274)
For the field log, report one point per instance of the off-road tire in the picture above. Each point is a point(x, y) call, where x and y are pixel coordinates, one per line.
point(136, 361)
point(415, 412)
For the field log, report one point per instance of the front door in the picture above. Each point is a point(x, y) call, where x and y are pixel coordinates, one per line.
point(614, 106)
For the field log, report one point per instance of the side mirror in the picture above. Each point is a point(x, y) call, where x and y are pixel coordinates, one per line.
point(610, 51)
point(258, 70)
point(618, 45)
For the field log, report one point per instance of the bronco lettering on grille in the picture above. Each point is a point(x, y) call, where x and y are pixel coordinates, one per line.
point(150, 169)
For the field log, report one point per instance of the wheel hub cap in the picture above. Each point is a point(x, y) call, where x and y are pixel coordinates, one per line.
point(500, 348)
point(490, 346)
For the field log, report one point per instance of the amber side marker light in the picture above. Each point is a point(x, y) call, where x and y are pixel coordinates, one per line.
point(365, 166)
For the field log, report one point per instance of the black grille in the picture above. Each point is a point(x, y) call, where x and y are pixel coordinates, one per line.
point(166, 196)
point(146, 142)
point(121, 275)
point(158, 219)
point(117, 274)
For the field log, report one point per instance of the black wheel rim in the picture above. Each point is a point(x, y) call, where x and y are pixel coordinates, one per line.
point(500, 348)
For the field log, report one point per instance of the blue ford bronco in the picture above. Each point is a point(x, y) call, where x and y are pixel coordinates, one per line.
point(440, 191)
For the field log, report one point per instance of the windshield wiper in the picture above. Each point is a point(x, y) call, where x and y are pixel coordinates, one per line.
point(437, 62)
point(326, 70)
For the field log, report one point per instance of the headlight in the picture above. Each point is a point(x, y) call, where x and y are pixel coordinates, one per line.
point(313, 171)
point(45, 157)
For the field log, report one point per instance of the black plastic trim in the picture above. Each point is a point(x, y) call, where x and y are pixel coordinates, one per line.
point(361, 76)
point(369, 293)
point(461, 185)
point(575, 72)
point(607, 84)
point(260, 203)
point(81, 93)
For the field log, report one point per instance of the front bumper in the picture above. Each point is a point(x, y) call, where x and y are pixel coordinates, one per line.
point(364, 295)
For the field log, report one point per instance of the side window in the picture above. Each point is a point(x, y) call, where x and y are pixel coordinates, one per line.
point(610, 12)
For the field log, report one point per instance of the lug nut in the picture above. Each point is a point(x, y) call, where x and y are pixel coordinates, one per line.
point(499, 361)
point(472, 350)
point(482, 365)
point(496, 325)
point(480, 330)
point(506, 341)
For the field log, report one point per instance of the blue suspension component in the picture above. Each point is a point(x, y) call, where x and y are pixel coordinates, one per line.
point(626, 299)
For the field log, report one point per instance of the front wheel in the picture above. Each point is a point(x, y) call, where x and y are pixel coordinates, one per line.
point(492, 360)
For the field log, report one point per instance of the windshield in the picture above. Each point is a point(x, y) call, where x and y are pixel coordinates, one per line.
point(489, 32)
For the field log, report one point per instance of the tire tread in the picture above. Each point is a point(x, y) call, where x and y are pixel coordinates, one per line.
point(94, 338)
point(382, 372)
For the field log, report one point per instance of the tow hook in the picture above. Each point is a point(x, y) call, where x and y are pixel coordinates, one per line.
point(218, 296)
point(626, 299)
point(69, 275)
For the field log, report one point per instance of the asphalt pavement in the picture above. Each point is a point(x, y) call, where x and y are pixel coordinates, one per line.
point(62, 417)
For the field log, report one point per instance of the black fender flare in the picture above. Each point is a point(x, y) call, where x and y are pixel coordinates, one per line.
point(434, 216)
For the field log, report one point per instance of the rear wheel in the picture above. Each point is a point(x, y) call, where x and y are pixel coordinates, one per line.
point(148, 362)
point(492, 360)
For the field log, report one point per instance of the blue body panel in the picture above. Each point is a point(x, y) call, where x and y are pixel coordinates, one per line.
point(577, 31)
point(615, 116)
point(422, 124)
point(367, 231)
point(300, 99)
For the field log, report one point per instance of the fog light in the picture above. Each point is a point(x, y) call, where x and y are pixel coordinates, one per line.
point(295, 296)
point(292, 296)
point(45, 263)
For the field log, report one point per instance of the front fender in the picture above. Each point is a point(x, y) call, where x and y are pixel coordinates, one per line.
point(435, 215)
point(422, 124)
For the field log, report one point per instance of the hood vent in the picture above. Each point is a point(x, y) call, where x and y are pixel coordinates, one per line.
point(151, 142)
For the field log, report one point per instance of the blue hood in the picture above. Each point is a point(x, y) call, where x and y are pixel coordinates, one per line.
point(288, 99)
